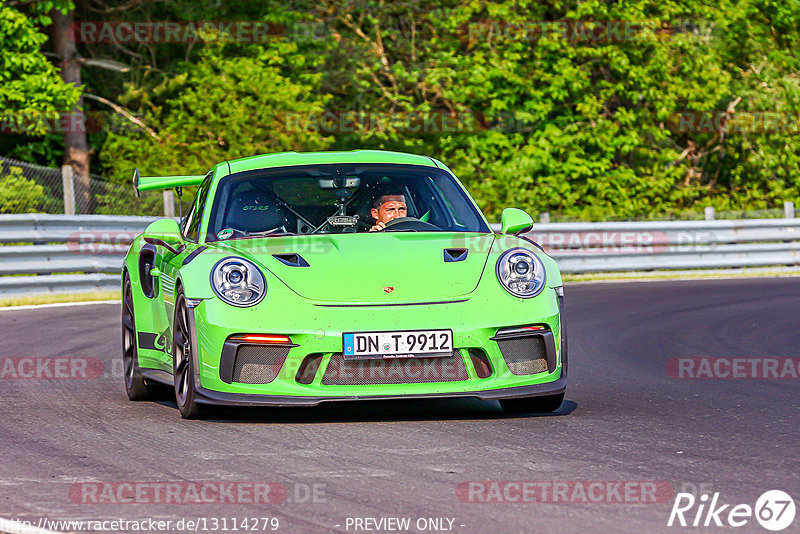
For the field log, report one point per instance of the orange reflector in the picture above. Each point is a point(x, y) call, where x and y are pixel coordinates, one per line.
point(533, 328)
point(262, 338)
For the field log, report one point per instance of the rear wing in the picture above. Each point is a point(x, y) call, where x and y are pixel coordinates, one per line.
point(150, 183)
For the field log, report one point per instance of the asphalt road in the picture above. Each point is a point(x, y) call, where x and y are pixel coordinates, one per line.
point(624, 419)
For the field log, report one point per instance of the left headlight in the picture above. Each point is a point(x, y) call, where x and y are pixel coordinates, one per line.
point(238, 282)
point(521, 272)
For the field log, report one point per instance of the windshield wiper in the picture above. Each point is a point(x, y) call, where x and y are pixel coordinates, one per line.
point(267, 233)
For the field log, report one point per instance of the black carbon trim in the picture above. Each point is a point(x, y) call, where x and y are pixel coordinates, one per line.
point(207, 396)
point(455, 254)
point(227, 358)
point(547, 337)
point(151, 341)
point(192, 255)
point(226, 361)
point(159, 376)
point(563, 326)
point(149, 283)
point(292, 259)
point(147, 340)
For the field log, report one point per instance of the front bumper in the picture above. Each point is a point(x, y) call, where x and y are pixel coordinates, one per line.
point(206, 396)
point(316, 329)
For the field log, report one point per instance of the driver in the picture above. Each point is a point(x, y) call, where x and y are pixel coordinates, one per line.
point(386, 208)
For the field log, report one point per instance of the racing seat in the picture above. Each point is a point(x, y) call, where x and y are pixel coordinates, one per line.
point(255, 211)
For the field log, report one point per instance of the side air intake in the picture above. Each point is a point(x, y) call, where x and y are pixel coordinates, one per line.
point(292, 260)
point(455, 254)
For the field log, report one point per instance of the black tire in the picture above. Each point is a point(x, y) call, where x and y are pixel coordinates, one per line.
point(135, 385)
point(546, 404)
point(183, 370)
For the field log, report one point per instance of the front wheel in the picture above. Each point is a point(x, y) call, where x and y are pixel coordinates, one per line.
point(183, 369)
point(545, 404)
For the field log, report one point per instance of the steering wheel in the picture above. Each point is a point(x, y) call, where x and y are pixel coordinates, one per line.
point(364, 224)
point(411, 224)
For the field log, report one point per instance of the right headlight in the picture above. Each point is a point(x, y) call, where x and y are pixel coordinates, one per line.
point(238, 282)
point(521, 273)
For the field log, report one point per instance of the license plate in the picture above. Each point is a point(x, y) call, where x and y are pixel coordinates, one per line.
point(405, 344)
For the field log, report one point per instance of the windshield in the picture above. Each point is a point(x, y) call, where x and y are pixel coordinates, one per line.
point(335, 198)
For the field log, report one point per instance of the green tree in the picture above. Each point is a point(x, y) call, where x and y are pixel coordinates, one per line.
point(593, 130)
point(559, 121)
point(32, 95)
point(218, 108)
point(19, 194)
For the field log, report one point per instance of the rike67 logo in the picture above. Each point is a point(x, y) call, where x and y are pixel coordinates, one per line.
point(774, 510)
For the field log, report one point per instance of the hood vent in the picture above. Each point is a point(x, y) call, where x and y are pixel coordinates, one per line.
point(292, 260)
point(455, 254)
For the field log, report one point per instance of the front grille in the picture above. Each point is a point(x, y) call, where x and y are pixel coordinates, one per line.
point(341, 372)
point(258, 364)
point(524, 355)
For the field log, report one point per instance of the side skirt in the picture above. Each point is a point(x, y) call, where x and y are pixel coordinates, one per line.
point(158, 376)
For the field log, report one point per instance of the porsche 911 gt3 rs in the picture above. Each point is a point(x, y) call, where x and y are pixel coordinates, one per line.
point(301, 278)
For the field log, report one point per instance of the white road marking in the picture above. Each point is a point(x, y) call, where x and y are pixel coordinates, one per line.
point(58, 304)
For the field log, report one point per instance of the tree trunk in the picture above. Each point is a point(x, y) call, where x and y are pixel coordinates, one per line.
point(76, 145)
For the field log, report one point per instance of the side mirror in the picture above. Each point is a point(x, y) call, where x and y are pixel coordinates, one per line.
point(515, 221)
point(165, 233)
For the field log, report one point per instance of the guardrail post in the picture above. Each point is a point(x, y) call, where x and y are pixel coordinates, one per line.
point(788, 210)
point(710, 213)
point(169, 203)
point(68, 187)
point(544, 218)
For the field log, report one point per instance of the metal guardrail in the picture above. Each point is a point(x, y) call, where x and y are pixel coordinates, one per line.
point(66, 254)
point(656, 245)
point(42, 228)
point(46, 259)
point(58, 253)
point(16, 286)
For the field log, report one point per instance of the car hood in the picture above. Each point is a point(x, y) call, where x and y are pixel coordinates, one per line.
point(390, 267)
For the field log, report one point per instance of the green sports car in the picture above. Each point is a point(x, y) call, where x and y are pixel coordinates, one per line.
point(301, 278)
